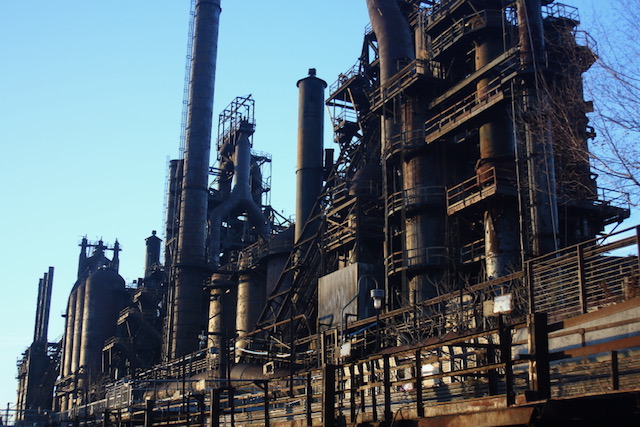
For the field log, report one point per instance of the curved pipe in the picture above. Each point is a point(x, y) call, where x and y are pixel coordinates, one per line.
point(394, 36)
point(240, 198)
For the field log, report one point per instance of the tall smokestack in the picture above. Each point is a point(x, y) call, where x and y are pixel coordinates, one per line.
point(309, 173)
point(190, 265)
point(42, 311)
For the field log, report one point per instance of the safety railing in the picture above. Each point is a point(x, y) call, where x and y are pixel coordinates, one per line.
point(345, 115)
point(344, 77)
point(615, 198)
point(465, 109)
point(586, 277)
point(562, 11)
point(463, 27)
point(404, 78)
point(382, 386)
point(472, 252)
point(486, 183)
point(416, 258)
point(413, 198)
point(405, 141)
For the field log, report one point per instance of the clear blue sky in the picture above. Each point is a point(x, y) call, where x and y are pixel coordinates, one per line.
point(90, 107)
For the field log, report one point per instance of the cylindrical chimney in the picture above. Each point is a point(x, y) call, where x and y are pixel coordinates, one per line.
point(187, 319)
point(153, 252)
point(36, 329)
point(309, 173)
point(46, 306)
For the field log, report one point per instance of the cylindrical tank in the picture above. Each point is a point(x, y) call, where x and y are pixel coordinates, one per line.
point(152, 257)
point(188, 316)
point(102, 303)
point(309, 172)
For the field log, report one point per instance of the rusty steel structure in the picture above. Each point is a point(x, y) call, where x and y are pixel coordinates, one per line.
point(447, 266)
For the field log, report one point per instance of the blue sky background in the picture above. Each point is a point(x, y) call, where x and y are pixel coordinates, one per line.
point(90, 111)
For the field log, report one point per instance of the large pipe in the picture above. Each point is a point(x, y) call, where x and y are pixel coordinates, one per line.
point(221, 320)
point(78, 325)
point(46, 306)
point(421, 171)
point(395, 42)
point(537, 128)
point(251, 298)
point(309, 173)
point(188, 319)
point(68, 334)
point(240, 197)
point(37, 327)
point(497, 150)
point(82, 259)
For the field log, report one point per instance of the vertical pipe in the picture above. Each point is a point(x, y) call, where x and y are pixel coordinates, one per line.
point(82, 259)
point(537, 133)
point(187, 319)
point(216, 305)
point(497, 151)
point(46, 305)
point(309, 172)
point(37, 327)
point(115, 261)
point(77, 326)
point(221, 317)
point(68, 334)
point(423, 230)
point(250, 302)
point(242, 160)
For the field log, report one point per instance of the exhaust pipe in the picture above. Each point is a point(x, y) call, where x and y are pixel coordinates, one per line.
point(190, 269)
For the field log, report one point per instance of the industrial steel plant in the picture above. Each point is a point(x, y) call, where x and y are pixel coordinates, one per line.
point(446, 266)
